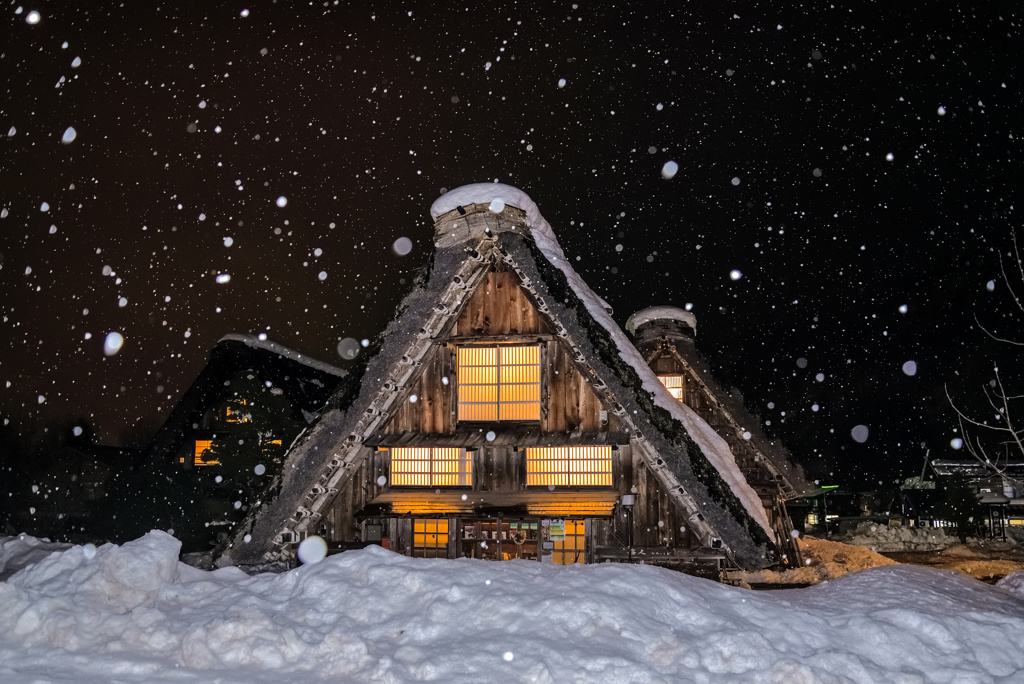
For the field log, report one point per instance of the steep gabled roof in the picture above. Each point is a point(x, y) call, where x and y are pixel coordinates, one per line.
point(476, 226)
point(307, 382)
point(678, 327)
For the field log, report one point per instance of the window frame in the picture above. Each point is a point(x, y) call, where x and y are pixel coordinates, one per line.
point(664, 377)
point(463, 475)
point(568, 473)
point(421, 531)
point(498, 403)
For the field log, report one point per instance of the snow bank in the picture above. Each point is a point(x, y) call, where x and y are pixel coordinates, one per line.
point(884, 538)
point(1013, 582)
point(23, 550)
point(711, 444)
point(135, 614)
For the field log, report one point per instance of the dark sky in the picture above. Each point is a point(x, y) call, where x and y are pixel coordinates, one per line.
point(190, 122)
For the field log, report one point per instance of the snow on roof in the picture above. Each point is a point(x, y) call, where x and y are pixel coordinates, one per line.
point(135, 614)
point(710, 442)
point(281, 350)
point(660, 313)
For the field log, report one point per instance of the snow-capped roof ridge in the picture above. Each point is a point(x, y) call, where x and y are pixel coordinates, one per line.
point(716, 449)
point(660, 313)
point(281, 350)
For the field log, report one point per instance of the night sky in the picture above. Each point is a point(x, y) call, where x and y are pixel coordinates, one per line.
point(190, 122)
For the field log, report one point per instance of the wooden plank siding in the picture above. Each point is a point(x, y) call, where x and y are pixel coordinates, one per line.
point(499, 307)
point(499, 310)
point(432, 410)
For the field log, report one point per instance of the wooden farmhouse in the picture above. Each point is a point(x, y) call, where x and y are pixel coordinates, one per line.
point(505, 415)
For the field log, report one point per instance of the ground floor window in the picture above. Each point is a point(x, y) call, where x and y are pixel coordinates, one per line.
point(585, 466)
point(203, 453)
point(430, 538)
point(568, 539)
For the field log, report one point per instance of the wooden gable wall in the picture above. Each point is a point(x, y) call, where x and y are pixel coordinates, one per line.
point(499, 307)
point(499, 310)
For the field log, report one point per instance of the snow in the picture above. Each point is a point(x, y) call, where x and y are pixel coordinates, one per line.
point(281, 350)
point(884, 538)
point(23, 550)
point(660, 313)
point(711, 444)
point(1013, 582)
point(135, 614)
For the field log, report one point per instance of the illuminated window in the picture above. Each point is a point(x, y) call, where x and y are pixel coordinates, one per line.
point(587, 466)
point(569, 548)
point(423, 467)
point(499, 383)
point(674, 384)
point(203, 456)
point(812, 519)
point(430, 538)
point(233, 415)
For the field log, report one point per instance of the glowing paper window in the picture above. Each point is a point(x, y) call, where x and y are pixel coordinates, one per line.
point(433, 467)
point(499, 383)
point(585, 466)
point(430, 538)
point(203, 457)
point(569, 549)
point(674, 384)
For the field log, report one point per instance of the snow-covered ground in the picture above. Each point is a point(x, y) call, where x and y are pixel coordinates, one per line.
point(135, 614)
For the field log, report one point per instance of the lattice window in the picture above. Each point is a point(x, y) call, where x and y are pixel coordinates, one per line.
point(569, 549)
point(430, 538)
point(431, 467)
point(499, 383)
point(674, 384)
point(583, 466)
point(203, 455)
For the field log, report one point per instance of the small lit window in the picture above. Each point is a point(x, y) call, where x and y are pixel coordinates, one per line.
point(586, 466)
point(674, 384)
point(568, 540)
point(431, 467)
point(499, 383)
point(203, 455)
point(234, 415)
point(430, 538)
